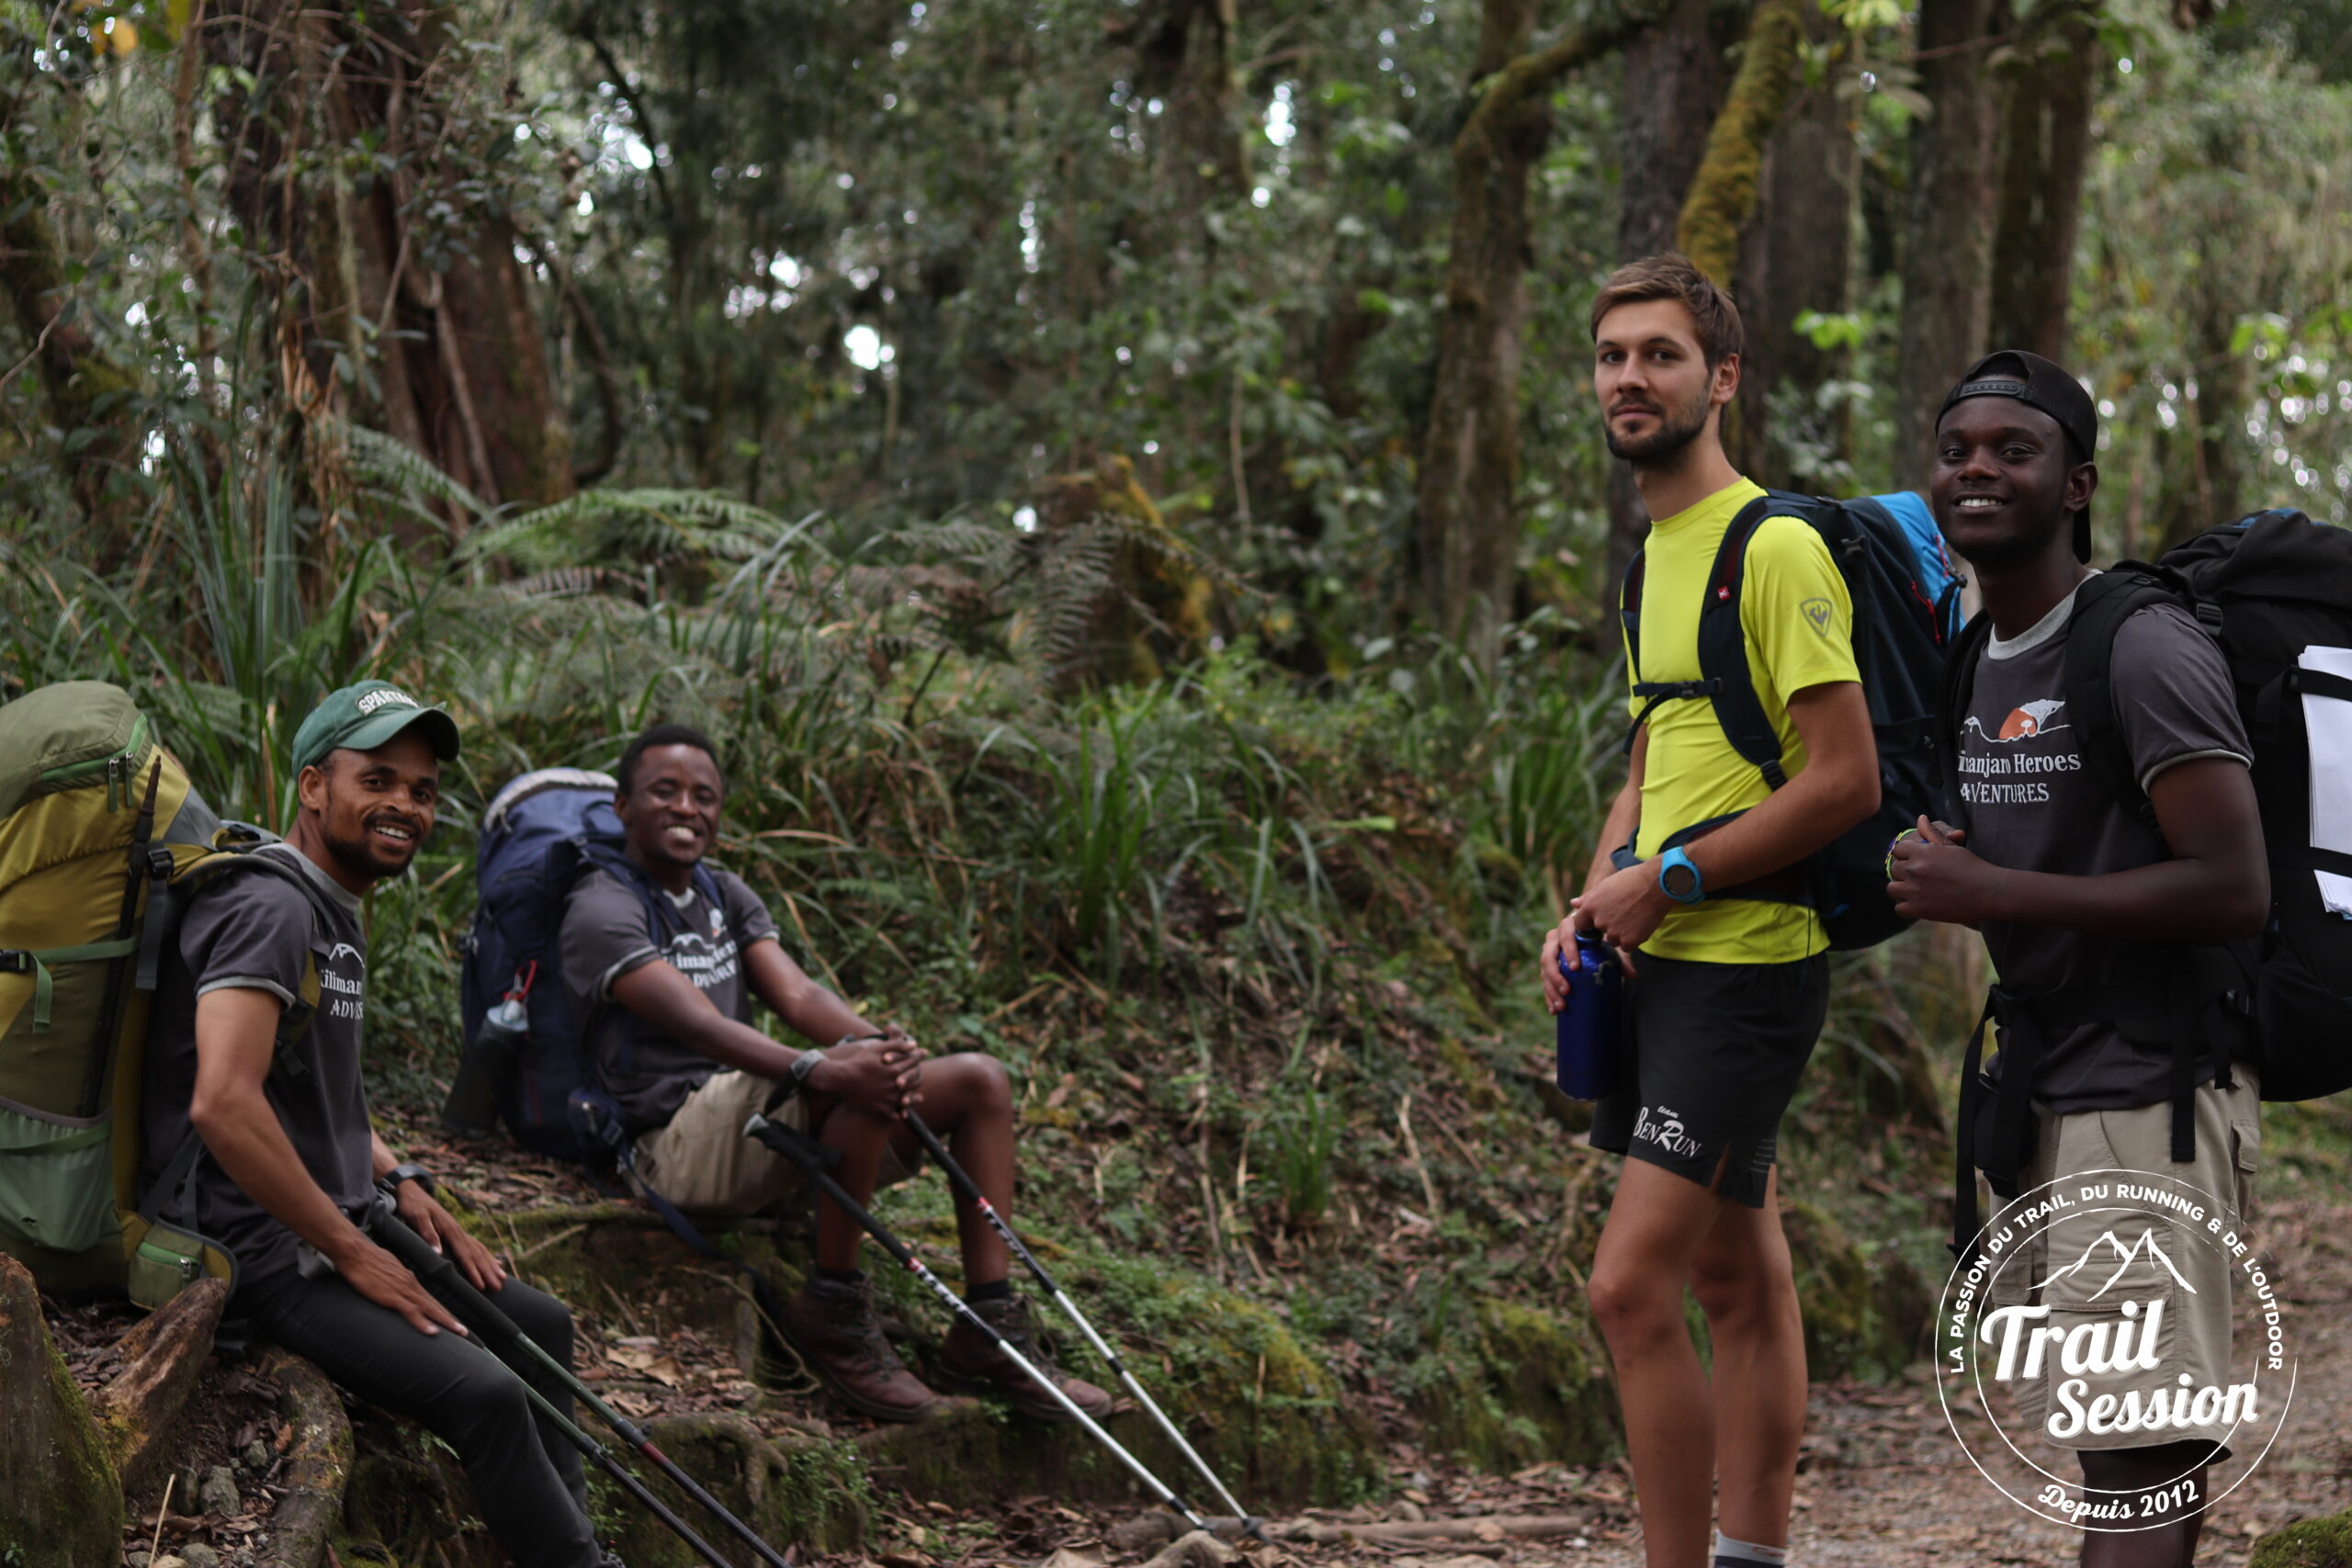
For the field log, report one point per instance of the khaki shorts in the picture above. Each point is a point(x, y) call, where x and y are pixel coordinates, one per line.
point(2195, 1292)
point(702, 1162)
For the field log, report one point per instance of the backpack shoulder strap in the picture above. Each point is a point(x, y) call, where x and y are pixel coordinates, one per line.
point(2101, 606)
point(1723, 649)
point(233, 855)
point(1957, 686)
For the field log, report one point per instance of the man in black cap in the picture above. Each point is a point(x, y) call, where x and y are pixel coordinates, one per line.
point(2089, 903)
point(254, 1044)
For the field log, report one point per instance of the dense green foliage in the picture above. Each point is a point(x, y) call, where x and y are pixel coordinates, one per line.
point(997, 422)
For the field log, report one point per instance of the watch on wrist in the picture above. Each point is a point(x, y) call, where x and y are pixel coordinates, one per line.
point(802, 1066)
point(388, 1184)
point(1678, 879)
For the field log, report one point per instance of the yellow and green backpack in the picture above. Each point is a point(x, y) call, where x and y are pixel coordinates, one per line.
point(102, 842)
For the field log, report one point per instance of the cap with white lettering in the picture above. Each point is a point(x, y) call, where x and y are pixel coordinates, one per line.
point(362, 717)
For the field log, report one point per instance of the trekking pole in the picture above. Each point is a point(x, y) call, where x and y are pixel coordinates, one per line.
point(805, 1153)
point(1047, 1283)
point(620, 1472)
point(434, 1268)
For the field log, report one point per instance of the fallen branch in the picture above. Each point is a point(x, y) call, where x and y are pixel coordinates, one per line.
point(318, 1462)
point(162, 1355)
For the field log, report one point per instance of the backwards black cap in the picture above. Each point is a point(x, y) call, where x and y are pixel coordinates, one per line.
point(2036, 382)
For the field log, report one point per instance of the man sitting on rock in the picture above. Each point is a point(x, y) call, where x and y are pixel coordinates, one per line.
point(289, 1166)
point(665, 985)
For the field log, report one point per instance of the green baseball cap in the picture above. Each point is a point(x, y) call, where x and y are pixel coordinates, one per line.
point(362, 717)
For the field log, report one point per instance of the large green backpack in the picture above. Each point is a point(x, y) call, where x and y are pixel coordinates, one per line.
point(102, 842)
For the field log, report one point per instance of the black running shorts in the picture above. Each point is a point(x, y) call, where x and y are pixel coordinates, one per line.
point(1710, 1058)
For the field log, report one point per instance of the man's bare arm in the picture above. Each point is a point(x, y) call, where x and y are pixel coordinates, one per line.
point(2216, 886)
point(1837, 788)
point(236, 1041)
point(885, 1080)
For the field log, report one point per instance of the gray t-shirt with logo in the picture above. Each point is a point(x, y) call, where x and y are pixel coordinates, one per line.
point(257, 932)
point(2028, 802)
point(608, 931)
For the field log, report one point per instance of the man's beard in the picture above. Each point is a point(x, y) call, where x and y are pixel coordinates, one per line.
point(361, 857)
point(1660, 446)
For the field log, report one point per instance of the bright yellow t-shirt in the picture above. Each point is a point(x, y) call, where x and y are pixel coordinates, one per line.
point(1799, 625)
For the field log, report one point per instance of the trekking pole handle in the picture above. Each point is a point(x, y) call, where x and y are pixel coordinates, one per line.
point(798, 1148)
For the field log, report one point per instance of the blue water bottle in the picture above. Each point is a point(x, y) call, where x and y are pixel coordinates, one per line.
point(1588, 1025)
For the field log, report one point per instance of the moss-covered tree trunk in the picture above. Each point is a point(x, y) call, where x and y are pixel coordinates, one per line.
point(1722, 193)
point(61, 1506)
point(2053, 77)
point(1946, 265)
point(1466, 532)
point(1797, 256)
point(1674, 80)
point(423, 328)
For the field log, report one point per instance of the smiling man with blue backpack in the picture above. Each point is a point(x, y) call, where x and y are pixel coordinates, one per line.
point(660, 955)
point(1782, 652)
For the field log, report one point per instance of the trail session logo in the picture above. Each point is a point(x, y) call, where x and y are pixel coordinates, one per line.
point(2112, 1309)
point(1816, 612)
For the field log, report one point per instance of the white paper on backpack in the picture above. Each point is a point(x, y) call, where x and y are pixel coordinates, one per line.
point(2328, 722)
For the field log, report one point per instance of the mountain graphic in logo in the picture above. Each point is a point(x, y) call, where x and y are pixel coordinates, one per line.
point(2025, 721)
point(2108, 1246)
point(345, 950)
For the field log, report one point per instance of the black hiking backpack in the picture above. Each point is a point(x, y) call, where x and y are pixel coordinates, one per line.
point(2275, 590)
point(1906, 612)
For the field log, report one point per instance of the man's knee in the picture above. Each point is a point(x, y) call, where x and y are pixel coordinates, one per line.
point(991, 1087)
point(489, 1403)
point(1632, 1306)
point(544, 1318)
point(1736, 1286)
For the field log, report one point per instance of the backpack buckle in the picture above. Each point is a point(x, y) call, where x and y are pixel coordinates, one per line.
point(17, 961)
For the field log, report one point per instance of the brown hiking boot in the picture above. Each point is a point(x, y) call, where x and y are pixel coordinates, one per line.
point(839, 1338)
point(971, 1361)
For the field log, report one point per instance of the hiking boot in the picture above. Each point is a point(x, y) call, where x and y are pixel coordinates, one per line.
point(839, 1339)
point(971, 1361)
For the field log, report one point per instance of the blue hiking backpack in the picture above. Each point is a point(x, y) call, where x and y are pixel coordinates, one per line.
point(1907, 613)
point(527, 1053)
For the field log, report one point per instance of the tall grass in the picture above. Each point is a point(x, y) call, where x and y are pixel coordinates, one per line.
point(936, 815)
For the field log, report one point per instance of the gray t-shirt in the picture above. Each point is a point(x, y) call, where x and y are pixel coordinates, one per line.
point(255, 932)
point(2028, 802)
point(608, 931)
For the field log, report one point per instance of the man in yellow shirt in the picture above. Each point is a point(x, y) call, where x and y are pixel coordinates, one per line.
point(1728, 964)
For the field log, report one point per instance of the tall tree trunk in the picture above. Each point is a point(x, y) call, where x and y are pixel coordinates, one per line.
point(386, 324)
point(1184, 56)
point(2047, 134)
point(1466, 532)
point(1723, 192)
point(1948, 233)
point(1674, 79)
point(1797, 256)
point(88, 392)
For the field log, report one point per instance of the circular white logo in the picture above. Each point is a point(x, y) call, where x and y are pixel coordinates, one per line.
point(2110, 1310)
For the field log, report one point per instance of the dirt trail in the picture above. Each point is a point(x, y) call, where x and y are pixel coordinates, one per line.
point(1883, 1484)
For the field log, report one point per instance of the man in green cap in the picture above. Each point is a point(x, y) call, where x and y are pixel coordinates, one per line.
point(287, 1168)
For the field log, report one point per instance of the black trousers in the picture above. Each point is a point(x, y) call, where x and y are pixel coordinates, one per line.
point(525, 1472)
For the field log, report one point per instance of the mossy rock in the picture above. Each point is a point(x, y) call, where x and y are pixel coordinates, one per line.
point(1249, 1397)
point(2309, 1543)
point(1533, 1387)
point(1865, 1316)
point(790, 1490)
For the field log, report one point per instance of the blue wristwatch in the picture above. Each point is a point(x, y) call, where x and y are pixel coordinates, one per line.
point(1678, 879)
